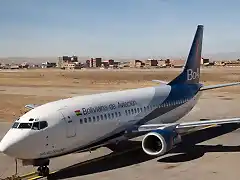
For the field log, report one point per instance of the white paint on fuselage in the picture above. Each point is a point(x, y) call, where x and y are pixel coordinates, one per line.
point(61, 137)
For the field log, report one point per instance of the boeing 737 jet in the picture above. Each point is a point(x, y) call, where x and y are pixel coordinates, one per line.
point(84, 123)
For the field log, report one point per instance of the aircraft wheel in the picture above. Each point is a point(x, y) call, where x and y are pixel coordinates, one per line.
point(43, 171)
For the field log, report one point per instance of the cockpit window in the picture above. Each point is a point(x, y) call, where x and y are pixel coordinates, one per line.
point(43, 124)
point(39, 125)
point(35, 126)
point(15, 125)
point(25, 126)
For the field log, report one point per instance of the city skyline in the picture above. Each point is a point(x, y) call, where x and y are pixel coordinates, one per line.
point(117, 29)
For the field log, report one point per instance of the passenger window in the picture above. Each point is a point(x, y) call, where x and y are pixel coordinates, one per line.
point(109, 116)
point(132, 111)
point(112, 115)
point(97, 118)
point(116, 114)
point(135, 110)
point(43, 124)
point(144, 108)
point(35, 126)
point(94, 119)
point(138, 110)
point(129, 112)
point(119, 113)
point(141, 109)
point(85, 120)
point(101, 117)
point(81, 121)
point(90, 119)
point(105, 116)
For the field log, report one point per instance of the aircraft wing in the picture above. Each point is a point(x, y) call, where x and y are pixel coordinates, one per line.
point(31, 106)
point(186, 127)
point(160, 81)
point(218, 86)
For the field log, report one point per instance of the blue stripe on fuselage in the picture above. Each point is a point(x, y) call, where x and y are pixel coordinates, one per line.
point(177, 92)
point(181, 91)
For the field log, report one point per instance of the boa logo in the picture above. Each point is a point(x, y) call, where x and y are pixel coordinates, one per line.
point(191, 75)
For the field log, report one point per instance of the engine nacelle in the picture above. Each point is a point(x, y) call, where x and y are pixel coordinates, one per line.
point(159, 142)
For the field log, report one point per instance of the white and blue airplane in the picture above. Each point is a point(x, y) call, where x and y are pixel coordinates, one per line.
point(88, 122)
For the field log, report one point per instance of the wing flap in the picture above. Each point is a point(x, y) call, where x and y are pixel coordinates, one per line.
point(160, 81)
point(186, 127)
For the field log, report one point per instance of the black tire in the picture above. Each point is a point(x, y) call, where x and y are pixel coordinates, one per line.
point(45, 171)
point(40, 171)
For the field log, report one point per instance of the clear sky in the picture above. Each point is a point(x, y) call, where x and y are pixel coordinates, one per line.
point(124, 28)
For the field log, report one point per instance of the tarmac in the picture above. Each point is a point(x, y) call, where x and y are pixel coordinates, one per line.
point(216, 154)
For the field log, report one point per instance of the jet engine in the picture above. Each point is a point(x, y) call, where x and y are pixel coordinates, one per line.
point(160, 141)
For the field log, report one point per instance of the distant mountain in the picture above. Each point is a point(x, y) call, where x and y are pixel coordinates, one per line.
point(35, 60)
point(224, 56)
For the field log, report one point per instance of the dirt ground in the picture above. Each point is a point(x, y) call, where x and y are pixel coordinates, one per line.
point(21, 87)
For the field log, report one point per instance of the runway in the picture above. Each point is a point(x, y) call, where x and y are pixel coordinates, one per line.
point(217, 157)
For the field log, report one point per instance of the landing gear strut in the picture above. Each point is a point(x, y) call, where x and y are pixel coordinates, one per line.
point(43, 171)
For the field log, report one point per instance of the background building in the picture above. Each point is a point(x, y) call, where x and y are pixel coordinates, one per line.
point(66, 62)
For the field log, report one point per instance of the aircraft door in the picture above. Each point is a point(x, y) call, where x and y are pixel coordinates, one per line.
point(70, 125)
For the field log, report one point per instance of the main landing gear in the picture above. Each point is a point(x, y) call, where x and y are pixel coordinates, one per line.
point(43, 171)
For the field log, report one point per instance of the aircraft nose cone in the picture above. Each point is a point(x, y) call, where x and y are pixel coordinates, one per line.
point(10, 149)
point(5, 149)
point(8, 146)
point(2, 148)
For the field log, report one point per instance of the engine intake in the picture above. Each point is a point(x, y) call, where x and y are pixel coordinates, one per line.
point(160, 141)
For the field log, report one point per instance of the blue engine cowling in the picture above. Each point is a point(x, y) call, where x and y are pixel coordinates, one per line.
point(159, 142)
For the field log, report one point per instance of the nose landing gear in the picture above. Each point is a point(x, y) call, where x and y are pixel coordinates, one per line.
point(43, 171)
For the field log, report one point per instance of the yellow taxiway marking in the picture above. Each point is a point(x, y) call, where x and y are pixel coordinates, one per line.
point(209, 126)
point(27, 175)
point(213, 125)
point(38, 177)
point(88, 161)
